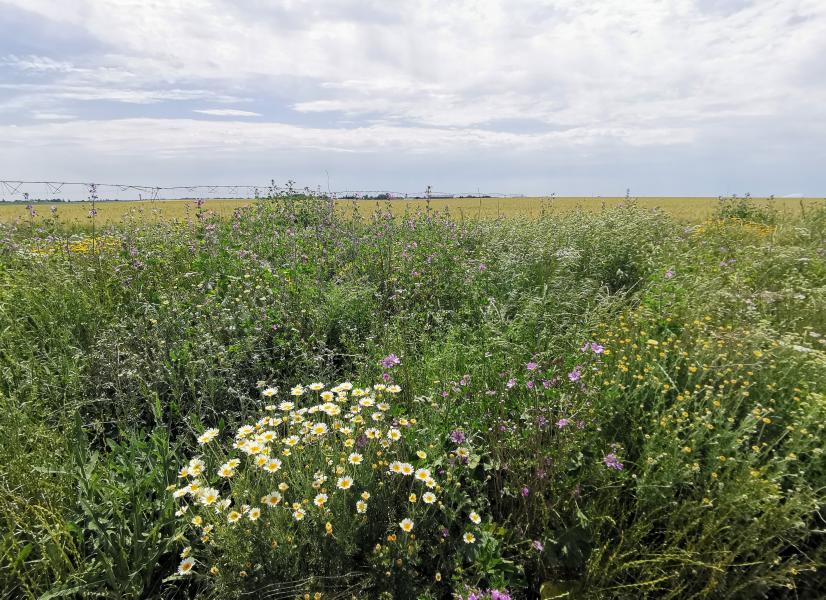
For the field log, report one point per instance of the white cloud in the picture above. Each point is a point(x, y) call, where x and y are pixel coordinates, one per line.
point(135, 137)
point(227, 112)
point(436, 76)
point(47, 116)
point(38, 63)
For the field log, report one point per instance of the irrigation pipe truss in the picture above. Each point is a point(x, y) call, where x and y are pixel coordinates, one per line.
point(17, 190)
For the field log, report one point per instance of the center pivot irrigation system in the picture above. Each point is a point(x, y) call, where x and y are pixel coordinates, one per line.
point(75, 191)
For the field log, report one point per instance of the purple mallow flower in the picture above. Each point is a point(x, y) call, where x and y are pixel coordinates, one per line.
point(486, 595)
point(576, 374)
point(510, 383)
point(532, 366)
point(539, 546)
point(562, 423)
point(526, 491)
point(390, 361)
point(669, 274)
point(593, 347)
point(612, 462)
point(457, 436)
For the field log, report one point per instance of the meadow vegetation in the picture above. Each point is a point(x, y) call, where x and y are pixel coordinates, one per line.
point(284, 403)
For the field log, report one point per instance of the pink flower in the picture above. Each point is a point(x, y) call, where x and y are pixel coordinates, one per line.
point(612, 462)
point(457, 436)
point(390, 361)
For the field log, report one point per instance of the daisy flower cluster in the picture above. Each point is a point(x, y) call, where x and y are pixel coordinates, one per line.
point(314, 458)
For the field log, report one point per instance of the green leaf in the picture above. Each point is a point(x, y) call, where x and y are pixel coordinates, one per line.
point(62, 593)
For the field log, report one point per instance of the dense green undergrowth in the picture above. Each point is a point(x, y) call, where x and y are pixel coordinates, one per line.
point(630, 406)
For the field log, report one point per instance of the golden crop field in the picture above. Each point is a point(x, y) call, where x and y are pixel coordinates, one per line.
point(687, 208)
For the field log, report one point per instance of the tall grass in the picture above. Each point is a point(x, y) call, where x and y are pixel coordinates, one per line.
point(641, 399)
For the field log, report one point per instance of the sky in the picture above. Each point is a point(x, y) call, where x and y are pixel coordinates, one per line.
point(572, 97)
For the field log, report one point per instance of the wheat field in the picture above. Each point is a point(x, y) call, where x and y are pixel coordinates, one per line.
point(686, 208)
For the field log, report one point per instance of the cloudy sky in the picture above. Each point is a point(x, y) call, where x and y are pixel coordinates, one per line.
point(576, 97)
